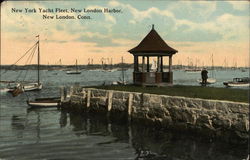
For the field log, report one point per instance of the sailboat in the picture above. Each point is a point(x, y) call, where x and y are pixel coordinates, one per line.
point(210, 80)
point(28, 86)
point(76, 71)
point(121, 80)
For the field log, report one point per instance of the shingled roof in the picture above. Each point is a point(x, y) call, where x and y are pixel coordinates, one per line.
point(152, 44)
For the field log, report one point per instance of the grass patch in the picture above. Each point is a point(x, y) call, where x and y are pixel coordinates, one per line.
point(236, 95)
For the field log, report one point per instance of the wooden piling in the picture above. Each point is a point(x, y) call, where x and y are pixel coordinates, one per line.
point(110, 96)
point(130, 102)
point(71, 91)
point(88, 98)
point(63, 93)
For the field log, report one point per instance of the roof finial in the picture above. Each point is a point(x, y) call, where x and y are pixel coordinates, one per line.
point(153, 26)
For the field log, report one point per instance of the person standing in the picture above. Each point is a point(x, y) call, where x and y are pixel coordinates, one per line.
point(204, 76)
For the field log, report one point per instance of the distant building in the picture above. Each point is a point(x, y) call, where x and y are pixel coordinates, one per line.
point(152, 46)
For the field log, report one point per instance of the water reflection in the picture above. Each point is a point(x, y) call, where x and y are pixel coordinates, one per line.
point(89, 135)
point(153, 143)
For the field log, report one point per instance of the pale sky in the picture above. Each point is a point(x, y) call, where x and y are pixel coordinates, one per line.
point(197, 29)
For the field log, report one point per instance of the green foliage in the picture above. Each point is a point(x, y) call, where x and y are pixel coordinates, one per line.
point(230, 94)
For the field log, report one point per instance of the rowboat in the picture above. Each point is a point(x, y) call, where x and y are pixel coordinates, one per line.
point(44, 102)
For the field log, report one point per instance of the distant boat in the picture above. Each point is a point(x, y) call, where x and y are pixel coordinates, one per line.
point(76, 71)
point(195, 70)
point(121, 80)
point(44, 102)
point(238, 82)
point(209, 81)
point(153, 66)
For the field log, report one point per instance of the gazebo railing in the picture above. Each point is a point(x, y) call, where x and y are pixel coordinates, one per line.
point(152, 77)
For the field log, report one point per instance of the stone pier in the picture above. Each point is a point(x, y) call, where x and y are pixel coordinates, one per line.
point(215, 118)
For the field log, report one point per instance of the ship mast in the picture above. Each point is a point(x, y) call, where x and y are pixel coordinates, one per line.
point(38, 62)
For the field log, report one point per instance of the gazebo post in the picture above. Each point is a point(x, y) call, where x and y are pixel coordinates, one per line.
point(136, 64)
point(161, 63)
point(143, 63)
point(158, 63)
point(147, 63)
point(170, 69)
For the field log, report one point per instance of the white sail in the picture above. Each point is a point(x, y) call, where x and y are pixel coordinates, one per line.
point(153, 66)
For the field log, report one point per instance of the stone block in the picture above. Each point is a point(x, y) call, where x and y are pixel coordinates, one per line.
point(137, 97)
point(208, 104)
point(98, 93)
point(120, 95)
point(119, 105)
point(241, 125)
point(204, 121)
point(238, 108)
point(145, 98)
point(157, 112)
point(165, 101)
point(221, 122)
point(98, 102)
point(182, 115)
point(222, 107)
point(177, 102)
point(76, 99)
point(193, 103)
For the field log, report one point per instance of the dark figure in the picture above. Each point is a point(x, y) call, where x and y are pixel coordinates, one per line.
point(204, 76)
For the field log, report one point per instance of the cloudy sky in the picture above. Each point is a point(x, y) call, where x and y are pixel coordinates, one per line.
point(197, 29)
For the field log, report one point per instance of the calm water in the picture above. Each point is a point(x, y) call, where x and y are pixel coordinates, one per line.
point(54, 134)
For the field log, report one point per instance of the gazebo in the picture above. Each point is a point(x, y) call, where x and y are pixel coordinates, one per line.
point(152, 46)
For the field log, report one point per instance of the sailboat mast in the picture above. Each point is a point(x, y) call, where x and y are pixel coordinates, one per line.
point(122, 72)
point(38, 62)
point(212, 66)
point(76, 65)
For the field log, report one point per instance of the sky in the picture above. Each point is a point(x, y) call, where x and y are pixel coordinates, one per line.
point(199, 30)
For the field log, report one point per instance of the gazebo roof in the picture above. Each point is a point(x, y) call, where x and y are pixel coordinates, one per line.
point(152, 45)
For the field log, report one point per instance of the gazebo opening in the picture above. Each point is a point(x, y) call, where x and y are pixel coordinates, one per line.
point(152, 46)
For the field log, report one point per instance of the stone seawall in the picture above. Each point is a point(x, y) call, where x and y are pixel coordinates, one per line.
point(229, 120)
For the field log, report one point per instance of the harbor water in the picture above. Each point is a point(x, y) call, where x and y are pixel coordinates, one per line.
point(54, 134)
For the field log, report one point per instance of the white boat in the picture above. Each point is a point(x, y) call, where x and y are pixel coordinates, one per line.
point(44, 102)
point(121, 80)
point(153, 66)
point(212, 79)
point(192, 70)
point(28, 86)
point(76, 71)
point(238, 82)
point(32, 86)
point(209, 80)
point(73, 72)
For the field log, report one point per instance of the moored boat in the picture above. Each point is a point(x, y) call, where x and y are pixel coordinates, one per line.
point(238, 82)
point(76, 71)
point(209, 81)
point(24, 86)
point(44, 102)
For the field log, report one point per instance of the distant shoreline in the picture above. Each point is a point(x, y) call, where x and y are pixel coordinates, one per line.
point(101, 67)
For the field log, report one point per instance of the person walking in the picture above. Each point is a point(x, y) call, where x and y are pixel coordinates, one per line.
point(204, 76)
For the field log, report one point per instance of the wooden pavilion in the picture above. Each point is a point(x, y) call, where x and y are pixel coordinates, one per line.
point(152, 46)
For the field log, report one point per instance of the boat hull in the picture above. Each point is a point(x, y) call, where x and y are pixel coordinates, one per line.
point(73, 72)
point(232, 84)
point(209, 81)
point(32, 87)
point(44, 103)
